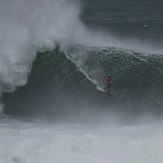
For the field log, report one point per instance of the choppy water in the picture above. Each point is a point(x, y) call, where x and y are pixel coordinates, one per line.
point(27, 141)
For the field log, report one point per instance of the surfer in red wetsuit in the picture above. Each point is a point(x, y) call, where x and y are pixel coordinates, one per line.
point(109, 82)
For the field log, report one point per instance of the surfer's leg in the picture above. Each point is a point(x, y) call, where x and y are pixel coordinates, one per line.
point(109, 86)
point(106, 88)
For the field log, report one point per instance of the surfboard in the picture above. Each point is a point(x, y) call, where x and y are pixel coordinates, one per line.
point(108, 92)
point(105, 91)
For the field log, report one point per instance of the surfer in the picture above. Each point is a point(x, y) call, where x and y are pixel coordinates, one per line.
point(109, 82)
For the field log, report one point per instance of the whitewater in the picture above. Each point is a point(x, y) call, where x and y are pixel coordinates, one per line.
point(28, 141)
point(52, 70)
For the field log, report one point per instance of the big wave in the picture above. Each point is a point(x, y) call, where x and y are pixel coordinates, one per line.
point(63, 82)
point(39, 26)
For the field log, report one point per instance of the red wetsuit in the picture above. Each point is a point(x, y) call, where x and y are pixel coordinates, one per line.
point(109, 80)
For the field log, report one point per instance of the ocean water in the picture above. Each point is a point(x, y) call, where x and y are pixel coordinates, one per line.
point(31, 141)
point(54, 58)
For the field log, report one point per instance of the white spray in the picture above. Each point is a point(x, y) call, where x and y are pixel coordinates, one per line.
point(27, 27)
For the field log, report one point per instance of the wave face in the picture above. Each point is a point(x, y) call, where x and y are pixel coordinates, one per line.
point(69, 81)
